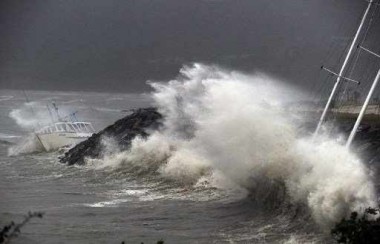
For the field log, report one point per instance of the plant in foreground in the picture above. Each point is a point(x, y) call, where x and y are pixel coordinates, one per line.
point(359, 230)
point(12, 230)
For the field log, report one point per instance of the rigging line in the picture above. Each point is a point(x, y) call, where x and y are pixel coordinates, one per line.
point(337, 63)
point(352, 33)
point(341, 72)
point(316, 98)
point(370, 22)
point(346, 45)
point(319, 94)
point(377, 23)
point(352, 64)
point(329, 56)
point(358, 52)
point(313, 85)
point(332, 53)
point(367, 75)
point(339, 102)
point(340, 98)
point(316, 85)
point(31, 108)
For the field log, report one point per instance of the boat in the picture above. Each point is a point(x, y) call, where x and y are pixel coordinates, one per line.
point(64, 131)
point(341, 75)
point(64, 134)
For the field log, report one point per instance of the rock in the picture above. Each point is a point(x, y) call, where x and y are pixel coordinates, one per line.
point(139, 123)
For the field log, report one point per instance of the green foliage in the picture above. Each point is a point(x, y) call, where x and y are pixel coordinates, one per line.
point(359, 230)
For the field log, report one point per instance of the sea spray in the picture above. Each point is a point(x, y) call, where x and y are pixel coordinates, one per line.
point(26, 145)
point(30, 117)
point(236, 126)
point(332, 180)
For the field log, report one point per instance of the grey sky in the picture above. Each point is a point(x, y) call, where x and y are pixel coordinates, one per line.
point(117, 45)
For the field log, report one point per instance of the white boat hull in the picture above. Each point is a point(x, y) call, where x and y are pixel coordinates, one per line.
point(54, 141)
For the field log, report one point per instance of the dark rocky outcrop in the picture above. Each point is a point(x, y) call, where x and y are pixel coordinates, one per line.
point(139, 123)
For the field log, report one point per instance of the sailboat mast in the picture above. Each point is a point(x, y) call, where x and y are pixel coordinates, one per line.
point(343, 68)
point(362, 111)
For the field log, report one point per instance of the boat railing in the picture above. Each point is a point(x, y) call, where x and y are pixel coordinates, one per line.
point(68, 127)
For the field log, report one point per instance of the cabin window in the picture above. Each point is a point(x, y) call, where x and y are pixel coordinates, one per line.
point(70, 127)
point(60, 128)
point(82, 127)
point(79, 127)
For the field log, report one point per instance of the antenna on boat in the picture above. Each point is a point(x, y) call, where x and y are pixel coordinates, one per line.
point(31, 108)
point(28, 101)
point(50, 113)
point(56, 111)
point(343, 68)
point(73, 116)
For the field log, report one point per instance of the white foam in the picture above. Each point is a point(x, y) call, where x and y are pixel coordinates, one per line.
point(26, 145)
point(30, 117)
point(232, 127)
point(111, 203)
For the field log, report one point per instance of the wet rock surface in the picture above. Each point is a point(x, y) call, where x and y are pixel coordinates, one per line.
point(139, 123)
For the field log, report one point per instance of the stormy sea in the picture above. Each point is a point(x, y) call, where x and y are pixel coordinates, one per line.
point(230, 162)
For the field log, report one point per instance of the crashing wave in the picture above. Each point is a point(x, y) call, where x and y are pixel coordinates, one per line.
point(235, 130)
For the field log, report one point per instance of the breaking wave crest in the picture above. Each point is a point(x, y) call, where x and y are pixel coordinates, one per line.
point(26, 145)
point(29, 117)
point(234, 130)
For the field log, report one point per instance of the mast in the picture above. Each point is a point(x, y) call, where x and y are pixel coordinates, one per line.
point(362, 111)
point(343, 68)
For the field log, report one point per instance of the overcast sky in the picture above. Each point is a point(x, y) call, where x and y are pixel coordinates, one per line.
point(117, 45)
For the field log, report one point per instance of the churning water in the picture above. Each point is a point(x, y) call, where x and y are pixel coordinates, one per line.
point(230, 164)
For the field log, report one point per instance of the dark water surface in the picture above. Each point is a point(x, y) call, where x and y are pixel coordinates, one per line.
point(87, 206)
